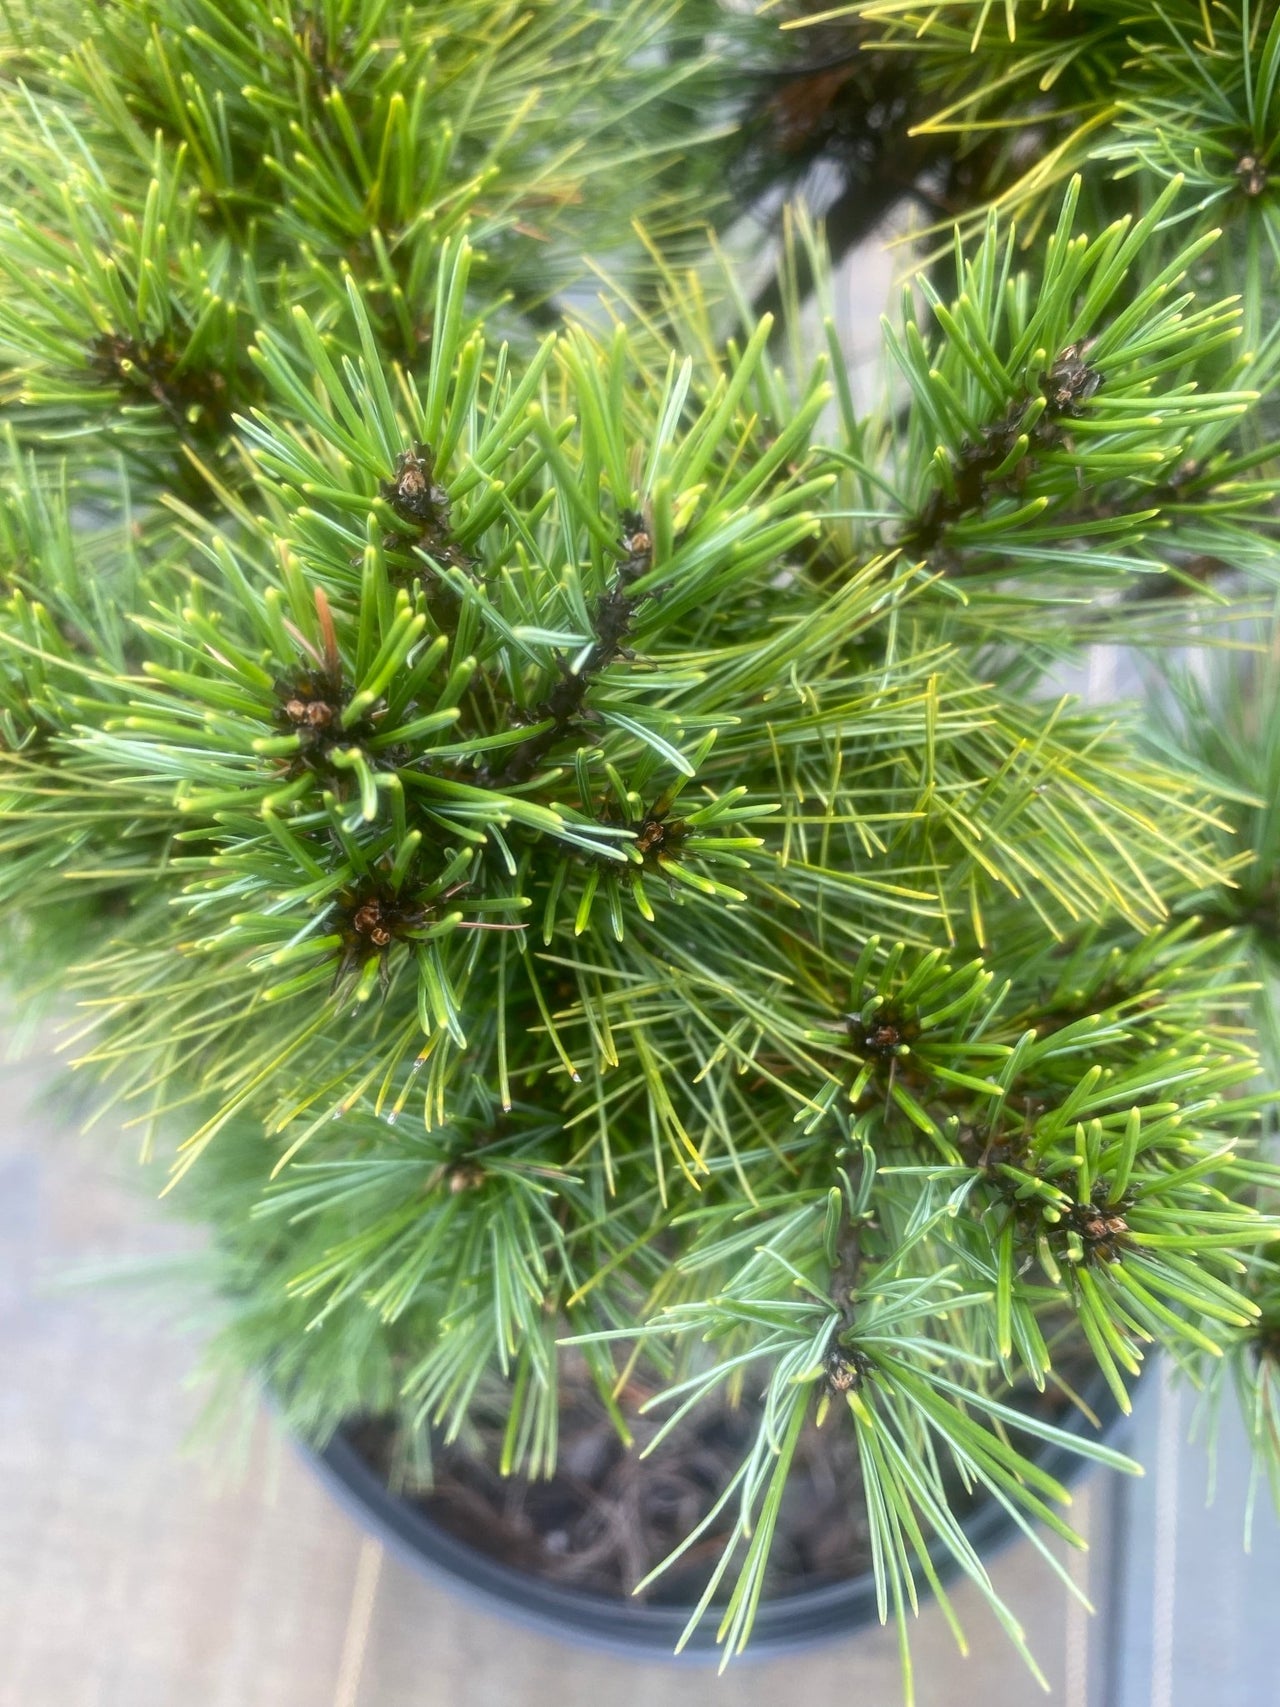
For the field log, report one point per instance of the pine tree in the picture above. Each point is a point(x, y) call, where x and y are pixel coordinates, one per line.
point(555, 811)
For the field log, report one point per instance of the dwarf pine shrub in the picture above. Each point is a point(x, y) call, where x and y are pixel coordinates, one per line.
point(550, 802)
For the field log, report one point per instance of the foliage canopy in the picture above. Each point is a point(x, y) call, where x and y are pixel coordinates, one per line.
point(557, 802)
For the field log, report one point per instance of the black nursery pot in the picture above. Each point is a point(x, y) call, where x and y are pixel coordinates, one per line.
point(630, 1627)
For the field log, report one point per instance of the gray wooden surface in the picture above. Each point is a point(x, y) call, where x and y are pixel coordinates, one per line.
point(1198, 1614)
point(133, 1574)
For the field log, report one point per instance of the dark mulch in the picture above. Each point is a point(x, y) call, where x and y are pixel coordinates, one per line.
point(608, 1516)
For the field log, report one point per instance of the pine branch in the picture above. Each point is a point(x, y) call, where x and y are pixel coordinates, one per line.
point(611, 622)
